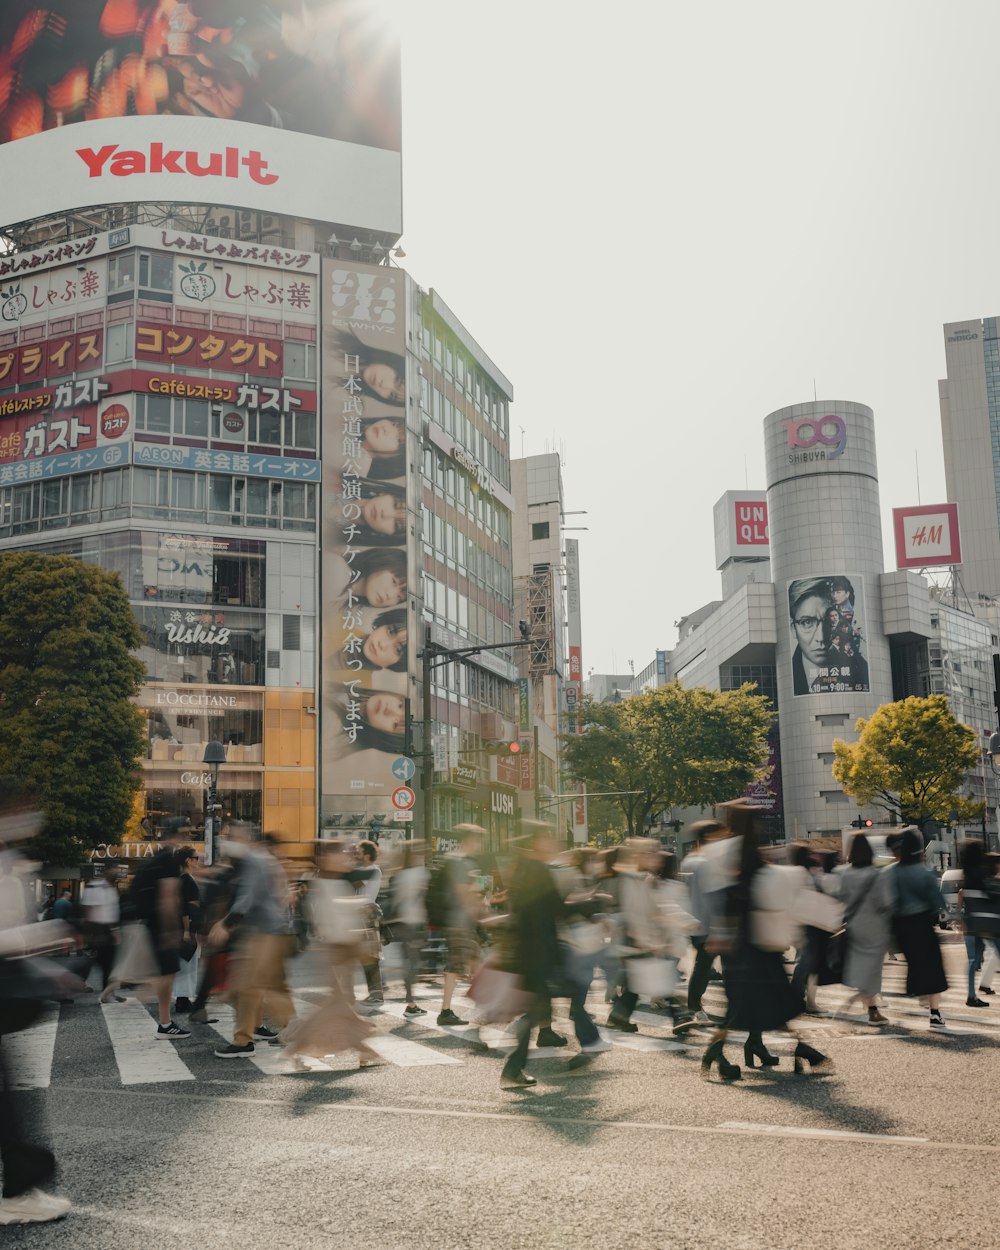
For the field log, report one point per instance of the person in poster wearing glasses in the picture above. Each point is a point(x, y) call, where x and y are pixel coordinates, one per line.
point(827, 658)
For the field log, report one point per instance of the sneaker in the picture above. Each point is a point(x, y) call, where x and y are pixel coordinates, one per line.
point(549, 1037)
point(975, 1002)
point(374, 1000)
point(171, 1032)
point(232, 1051)
point(448, 1017)
point(264, 1034)
point(701, 1017)
point(984, 989)
point(34, 1206)
point(876, 1017)
point(682, 1024)
point(201, 1016)
point(413, 1010)
point(937, 1024)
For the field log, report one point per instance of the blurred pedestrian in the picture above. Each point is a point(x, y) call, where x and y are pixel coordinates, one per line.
point(645, 936)
point(864, 889)
point(186, 981)
point(917, 903)
point(369, 889)
point(260, 919)
point(63, 908)
point(757, 930)
point(703, 903)
point(156, 899)
point(540, 958)
point(409, 916)
point(101, 909)
point(461, 893)
point(979, 885)
point(339, 918)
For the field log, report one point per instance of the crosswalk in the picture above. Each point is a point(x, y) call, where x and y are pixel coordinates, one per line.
point(120, 1038)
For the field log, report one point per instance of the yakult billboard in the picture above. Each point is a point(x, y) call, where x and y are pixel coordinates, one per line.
point(291, 106)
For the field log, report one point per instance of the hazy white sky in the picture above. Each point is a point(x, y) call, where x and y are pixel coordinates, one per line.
point(664, 220)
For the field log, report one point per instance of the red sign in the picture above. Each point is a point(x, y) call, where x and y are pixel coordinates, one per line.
point(53, 358)
point(205, 349)
point(751, 523)
point(281, 399)
point(403, 798)
point(114, 421)
point(927, 535)
point(233, 423)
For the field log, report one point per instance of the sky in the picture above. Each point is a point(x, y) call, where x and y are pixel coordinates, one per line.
point(663, 221)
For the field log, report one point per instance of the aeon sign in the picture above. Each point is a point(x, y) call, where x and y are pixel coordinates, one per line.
point(815, 438)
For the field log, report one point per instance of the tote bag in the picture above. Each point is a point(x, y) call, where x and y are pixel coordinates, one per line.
point(652, 977)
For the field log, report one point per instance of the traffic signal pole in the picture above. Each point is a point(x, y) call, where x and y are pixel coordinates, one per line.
point(431, 657)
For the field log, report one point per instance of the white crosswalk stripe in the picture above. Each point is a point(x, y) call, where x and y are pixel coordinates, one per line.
point(30, 1052)
point(141, 1057)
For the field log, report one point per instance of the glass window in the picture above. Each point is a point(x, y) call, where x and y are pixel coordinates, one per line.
point(153, 414)
point(118, 341)
point(195, 418)
point(156, 271)
point(121, 271)
point(303, 431)
point(300, 359)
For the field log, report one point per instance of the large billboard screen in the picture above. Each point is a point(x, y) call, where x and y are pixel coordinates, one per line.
point(368, 643)
point(282, 107)
point(827, 622)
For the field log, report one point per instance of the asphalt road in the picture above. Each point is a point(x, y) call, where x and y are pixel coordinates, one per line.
point(899, 1147)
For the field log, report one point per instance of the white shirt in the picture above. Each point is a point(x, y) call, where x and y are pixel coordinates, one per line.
point(100, 903)
point(409, 894)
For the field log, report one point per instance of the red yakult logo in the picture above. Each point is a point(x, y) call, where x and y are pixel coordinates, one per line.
point(123, 162)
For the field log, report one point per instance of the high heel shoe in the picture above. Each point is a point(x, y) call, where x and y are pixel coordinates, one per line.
point(754, 1048)
point(727, 1071)
point(806, 1055)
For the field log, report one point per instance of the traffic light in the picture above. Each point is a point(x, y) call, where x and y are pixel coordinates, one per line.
point(862, 822)
point(512, 747)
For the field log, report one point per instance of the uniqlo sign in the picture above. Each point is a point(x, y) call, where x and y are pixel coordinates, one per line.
point(927, 535)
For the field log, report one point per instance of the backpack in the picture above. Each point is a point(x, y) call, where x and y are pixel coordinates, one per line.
point(439, 896)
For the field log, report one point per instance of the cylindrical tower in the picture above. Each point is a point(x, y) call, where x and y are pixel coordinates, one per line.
point(826, 558)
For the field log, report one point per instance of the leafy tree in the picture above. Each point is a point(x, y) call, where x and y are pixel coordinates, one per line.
point(670, 747)
point(71, 737)
point(912, 758)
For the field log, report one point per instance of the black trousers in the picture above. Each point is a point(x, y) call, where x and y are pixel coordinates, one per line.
point(700, 973)
point(25, 1165)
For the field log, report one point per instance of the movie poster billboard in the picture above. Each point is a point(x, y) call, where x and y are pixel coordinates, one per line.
point(368, 643)
point(282, 108)
point(827, 623)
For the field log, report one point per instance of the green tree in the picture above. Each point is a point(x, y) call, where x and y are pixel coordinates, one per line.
point(912, 759)
point(671, 747)
point(71, 737)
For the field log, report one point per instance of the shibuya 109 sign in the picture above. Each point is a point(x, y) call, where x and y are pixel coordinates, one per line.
point(815, 438)
point(282, 108)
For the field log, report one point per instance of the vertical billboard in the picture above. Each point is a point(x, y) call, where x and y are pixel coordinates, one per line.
point(827, 621)
point(574, 686)
point(265, 104)
point(368, 644)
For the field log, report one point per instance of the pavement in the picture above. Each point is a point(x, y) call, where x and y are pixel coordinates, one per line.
point(161, 1143)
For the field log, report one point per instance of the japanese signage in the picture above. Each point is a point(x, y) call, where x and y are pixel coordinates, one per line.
point(765, 792)
point(827, 622)
point(246, 290)
point(62, 425)
point(67, 291)
point(54, 358)
point(199, 459)
point(281, 108)
point(221, 249)
point(62, 465)
point(243, 395)
point(367, 648)
point(927, 536)
point(208, 349)
point(523, 704)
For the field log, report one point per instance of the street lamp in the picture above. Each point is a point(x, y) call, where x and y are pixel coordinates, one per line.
point(215, 754)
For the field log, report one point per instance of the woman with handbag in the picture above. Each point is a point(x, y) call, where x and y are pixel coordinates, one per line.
point(409, 914)
point(917, 903)
point(864, 891)
point(644, 947)
point(756, 931)
point(339, 917)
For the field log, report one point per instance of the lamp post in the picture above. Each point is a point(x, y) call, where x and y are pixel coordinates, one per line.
point(215, 754)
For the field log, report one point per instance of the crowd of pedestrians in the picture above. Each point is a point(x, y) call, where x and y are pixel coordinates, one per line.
point(540, 932)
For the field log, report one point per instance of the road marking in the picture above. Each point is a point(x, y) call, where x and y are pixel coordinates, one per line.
point(406, 1054)
point(267, 1058)
point(142, 1059)
point(784, 1130)
point(585, 1122)
point(30, 1051)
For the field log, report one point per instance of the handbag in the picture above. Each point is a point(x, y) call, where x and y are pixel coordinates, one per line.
point(651, 977)
point(136, 960)
point(187, 949)
point(817, 910)
point(499, 996)
point(773, 895)
point(583, 937)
